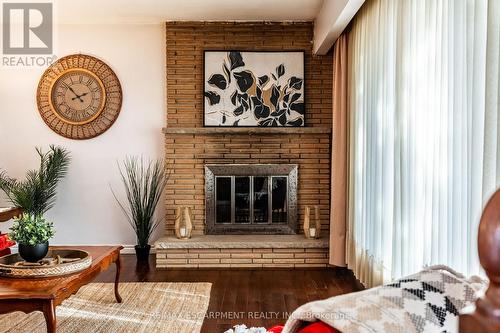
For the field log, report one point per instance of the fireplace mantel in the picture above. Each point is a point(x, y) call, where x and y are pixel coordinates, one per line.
point(247, 130)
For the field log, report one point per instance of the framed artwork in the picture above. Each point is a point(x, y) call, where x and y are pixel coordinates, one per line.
point(254, 88)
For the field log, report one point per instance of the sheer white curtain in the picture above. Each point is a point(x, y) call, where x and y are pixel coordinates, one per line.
point(492, 124)
point(420, 170)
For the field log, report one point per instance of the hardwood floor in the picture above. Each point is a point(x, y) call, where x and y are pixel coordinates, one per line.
point(251, 297)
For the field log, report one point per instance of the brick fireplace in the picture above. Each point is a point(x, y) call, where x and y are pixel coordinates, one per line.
point(190, 147)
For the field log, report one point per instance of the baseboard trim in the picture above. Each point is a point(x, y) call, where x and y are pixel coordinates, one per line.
point(127, 249)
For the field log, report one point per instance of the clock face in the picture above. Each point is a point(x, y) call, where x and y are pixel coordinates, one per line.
point(78, 96)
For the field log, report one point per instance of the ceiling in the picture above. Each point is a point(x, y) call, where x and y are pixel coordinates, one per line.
point(156, 11)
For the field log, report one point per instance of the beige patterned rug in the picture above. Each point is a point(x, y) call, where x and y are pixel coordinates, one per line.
point(146, 307)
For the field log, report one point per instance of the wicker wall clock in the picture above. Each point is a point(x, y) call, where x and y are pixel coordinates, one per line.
point(79, 97)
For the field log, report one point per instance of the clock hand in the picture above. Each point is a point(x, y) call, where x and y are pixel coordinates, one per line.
point(71, 89)
point(78, 96)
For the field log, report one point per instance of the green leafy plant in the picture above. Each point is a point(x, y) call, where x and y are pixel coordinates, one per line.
point(31, 230)
point(37, 193)
point(144, 182)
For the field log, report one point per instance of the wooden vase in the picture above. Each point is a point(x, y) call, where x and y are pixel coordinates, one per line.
point(307, 221)
point(317, 221)
point(183, 224)
point(312, 231)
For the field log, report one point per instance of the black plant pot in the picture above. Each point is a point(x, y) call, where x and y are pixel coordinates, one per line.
point(142, 252)
point(33, 253)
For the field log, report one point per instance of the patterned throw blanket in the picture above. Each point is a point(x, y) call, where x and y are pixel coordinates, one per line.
point(428, 301)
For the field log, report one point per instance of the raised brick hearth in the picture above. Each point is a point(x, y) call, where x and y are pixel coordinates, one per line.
point(189, 146)
point(292, 251)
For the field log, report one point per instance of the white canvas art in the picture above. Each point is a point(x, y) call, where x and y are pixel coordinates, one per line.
point(254, 88)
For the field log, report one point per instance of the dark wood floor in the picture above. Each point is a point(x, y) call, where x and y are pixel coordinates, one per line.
point(251, 297)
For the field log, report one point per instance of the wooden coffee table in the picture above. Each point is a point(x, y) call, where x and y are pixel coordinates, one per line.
point(44, 294)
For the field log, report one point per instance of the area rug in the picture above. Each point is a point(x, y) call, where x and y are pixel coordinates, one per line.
point(146, 307)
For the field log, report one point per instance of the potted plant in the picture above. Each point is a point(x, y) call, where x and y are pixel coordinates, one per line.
point(35, 196)
point(144, 182)
point(32, 233)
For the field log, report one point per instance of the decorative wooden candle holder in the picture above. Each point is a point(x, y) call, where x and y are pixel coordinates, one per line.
point(312, 231)
point(183, 225)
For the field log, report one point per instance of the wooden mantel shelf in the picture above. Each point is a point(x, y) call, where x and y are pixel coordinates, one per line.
point(247, 130)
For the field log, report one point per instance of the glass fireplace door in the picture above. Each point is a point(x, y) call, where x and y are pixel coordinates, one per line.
point(249, 200)
point(242, 199)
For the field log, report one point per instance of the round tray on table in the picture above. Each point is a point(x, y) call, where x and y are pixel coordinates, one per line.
point(57, 262)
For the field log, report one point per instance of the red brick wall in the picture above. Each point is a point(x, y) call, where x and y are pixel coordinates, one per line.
point(187, 153)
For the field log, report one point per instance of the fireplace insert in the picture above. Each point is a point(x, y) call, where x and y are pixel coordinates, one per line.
point(251, 198)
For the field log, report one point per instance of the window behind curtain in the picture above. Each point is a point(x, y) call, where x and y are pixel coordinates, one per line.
point(418, 128)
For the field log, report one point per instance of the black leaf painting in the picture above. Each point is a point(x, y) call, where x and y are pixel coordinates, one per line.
point(238, 111)
point(280, 70)
point(263, 80)
point(296, 122)
point(227, 72)
point(260, 110)
point(278, 112)
point(275, 95)
point(267, 122)
point(218, 81)
point(212, 97)
point(244, 80)
point(254, 88)
point(234, 97)
point(298, 107)
point(236, 60)
point(282, 119)
point(244, 100)
point(295, 97)
point(295, 83)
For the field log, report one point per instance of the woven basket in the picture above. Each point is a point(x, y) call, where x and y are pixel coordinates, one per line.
point(11, 265)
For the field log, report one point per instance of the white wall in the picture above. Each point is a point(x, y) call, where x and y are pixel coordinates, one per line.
point(85, 212)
